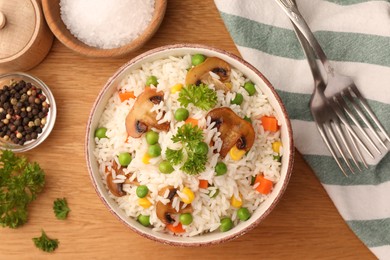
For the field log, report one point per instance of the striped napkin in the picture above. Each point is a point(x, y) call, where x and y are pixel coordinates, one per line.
point(355, 35)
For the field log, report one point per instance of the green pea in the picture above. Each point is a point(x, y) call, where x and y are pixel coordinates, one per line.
point(165, 167)
point(253, 178)
point(154, 150)
point(202, 148)
point(250, 88)
point(197, 59)
point(151, 137)
point(144, 220)
point(248, 119)
point(181, 114)
point(101, 132)
point(220, 168)
point(124, 159)
point(226, 224)
point(186, 218)
point(277, 158)
point(243, 214)
point(215, 193)
point(142, 191)
point(151, 80)
point(238, 99)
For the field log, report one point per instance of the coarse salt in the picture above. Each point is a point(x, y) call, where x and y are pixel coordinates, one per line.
point(106, 24)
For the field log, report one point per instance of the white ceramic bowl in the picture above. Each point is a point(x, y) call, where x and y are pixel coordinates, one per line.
point(250, 72)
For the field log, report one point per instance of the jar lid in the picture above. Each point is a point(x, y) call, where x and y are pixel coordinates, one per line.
point(17, 26)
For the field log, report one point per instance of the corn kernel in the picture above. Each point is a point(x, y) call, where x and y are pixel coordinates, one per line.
point(176, 88)
point(228, 85)
point(236, 154)
point(144, 202)
point(146, 158)
point(237, 203)
point(189, 195)
point(276, 146)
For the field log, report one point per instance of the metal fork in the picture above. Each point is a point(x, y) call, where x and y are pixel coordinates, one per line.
point(334, 100)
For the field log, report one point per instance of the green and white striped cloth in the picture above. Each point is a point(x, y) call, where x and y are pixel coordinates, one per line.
point(355, 35)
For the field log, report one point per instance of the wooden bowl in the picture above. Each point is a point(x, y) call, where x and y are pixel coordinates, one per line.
point(25, 38)
point(52, 12)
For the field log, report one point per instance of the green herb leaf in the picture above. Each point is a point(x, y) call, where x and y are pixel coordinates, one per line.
point(45, 243)
point(174, 156)
point(61, 209)
point(190, 136)
point(20, 182)
point(201, 96)
point(196, 163)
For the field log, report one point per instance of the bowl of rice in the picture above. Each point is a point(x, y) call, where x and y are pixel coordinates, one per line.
point(189, 145)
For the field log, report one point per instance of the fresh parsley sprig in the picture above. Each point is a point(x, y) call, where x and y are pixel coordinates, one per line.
point(45, 243)
point(20, 182)
point(190, 136)
point(175, 157)
point(61, 209)
point(201, 96)
point(195, 164)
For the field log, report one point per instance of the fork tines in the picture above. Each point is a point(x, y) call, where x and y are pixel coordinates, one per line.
point(350, 105)
point(332, 139)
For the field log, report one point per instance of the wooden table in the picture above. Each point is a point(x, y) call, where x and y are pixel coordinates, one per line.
point(305, 224)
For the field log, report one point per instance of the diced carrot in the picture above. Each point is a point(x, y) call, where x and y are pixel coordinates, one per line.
point(176, 229)
point(203, 184)
point(269, 123)
point(127, 139)
point(192, 121)
point(265, 186)
point(126, 95)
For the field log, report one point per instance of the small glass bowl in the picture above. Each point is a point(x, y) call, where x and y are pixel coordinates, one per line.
point(50, 118)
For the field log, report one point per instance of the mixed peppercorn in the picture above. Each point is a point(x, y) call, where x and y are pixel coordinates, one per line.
point(23, 112)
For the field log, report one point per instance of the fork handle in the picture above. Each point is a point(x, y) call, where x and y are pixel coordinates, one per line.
point(295, 16)
point(311, 59)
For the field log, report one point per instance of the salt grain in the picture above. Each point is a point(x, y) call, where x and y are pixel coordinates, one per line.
point(106, 24)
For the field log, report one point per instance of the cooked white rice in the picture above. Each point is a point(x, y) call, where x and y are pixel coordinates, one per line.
point(207, 211)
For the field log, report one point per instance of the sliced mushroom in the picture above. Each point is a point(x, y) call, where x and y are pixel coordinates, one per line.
point(117, 188)
point(219, 85)
point(234, 130)
point(201, 73)
point(140, 118)
point(164, 211)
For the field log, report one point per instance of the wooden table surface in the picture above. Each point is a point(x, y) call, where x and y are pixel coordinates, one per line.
point(304, 225)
